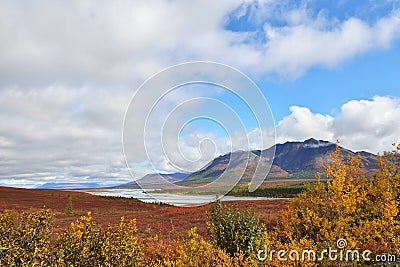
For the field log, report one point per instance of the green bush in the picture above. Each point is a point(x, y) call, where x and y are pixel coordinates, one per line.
point(233, 231)
point(69, 211)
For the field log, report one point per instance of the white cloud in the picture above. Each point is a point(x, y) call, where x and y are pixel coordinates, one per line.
point(302, 124)
point(123, 41)
point(103, 42)
point(292, 50)
point(371, 125)
point(68, 70)
point(52, 132)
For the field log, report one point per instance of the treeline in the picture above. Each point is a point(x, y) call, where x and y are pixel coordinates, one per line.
point(270, 191)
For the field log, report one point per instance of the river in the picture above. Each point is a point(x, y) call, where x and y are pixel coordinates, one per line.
point(173, 199)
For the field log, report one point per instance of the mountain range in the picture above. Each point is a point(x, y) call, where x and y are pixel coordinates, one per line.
point(292, 160)
point(72, 186)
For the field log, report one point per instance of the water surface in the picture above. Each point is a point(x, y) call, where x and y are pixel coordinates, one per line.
point(173, 199)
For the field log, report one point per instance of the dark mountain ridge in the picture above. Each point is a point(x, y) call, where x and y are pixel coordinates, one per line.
point(291, 160)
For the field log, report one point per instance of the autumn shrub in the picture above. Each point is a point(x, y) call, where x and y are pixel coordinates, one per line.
point(364, 211)
point(87, 244)
point(187, 250)
point(234, 231)
point(25, 238)
point(191, 250)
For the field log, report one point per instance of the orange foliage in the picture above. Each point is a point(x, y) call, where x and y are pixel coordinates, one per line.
point(363, 211)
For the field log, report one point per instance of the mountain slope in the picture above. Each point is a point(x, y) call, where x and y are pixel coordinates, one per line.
point(155, 179)
point(292, 160)
point(312, 154)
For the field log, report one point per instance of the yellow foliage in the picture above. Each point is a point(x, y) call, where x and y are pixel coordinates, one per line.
point(363, 211)
point(25, 237)
point(190, 250)
point(87, 244)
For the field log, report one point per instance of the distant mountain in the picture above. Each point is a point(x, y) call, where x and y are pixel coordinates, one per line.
point(155, 179)
point(69, 186)
point(292, 160)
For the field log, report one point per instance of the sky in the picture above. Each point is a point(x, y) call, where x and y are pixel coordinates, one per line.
point(69, 70)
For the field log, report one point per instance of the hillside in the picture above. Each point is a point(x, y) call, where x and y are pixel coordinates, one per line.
point(154, 179)
point(293, 160)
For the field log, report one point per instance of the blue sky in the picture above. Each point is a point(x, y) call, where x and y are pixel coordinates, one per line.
point(325, 90)
point(329, 70)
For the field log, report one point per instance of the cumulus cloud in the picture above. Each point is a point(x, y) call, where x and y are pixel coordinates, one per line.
point(292, 50)
point(302, 123)
point(104, 42)
point(120, 42)
point(370, 125)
